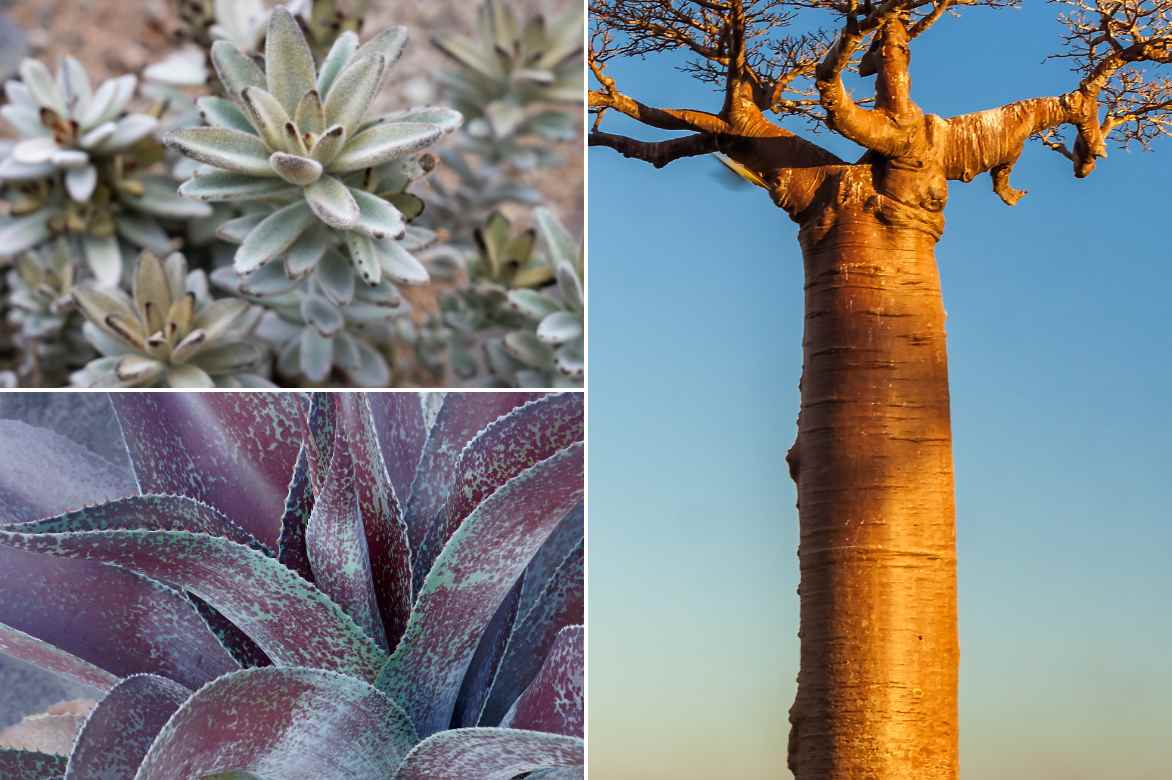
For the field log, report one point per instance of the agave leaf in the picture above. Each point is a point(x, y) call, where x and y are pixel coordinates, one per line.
point(489, 754)
point(559, 773)
point(243, 650)
point(236, 71)
point(234, 451)
point(225, 186)
point(489, 651)
point(43, 655)
point(560, 604)
point(289, 67)
point(352, 92)
point(508, 446)
point(298, 507)
point(398, 424)
point(289, 619)
point(296, 724)
point(549, 558)
point(122, 727)
point(553, 702)
point(137, 625)
point(335, 62)
point(460, 418)
point(469, 581)
point(29, 453)
point(30, 765)
point(273, 236)
point(267, 115)
point(332, 202)
point(219, 112)
point(223, 148)
point(383, 143)
point(376, 218)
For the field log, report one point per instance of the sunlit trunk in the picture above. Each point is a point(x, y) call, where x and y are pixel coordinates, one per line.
point(877, 695)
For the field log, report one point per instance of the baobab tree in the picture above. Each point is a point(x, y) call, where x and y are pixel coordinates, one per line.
point(877, 687)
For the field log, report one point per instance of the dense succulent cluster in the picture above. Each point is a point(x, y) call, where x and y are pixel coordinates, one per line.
point(380, 594)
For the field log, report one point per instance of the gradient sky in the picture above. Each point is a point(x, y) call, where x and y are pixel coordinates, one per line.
point(1061, 375)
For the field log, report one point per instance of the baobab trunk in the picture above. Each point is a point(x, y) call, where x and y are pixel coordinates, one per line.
point(873, 465)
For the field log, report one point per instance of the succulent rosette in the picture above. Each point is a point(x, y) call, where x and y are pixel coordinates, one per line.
point(305, 587)
point(297, 139)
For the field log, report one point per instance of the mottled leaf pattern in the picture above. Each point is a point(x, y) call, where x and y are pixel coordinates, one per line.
point(122, 727)
point(298, 507)
point(482, 668)
point(489, 754)
point(134, 626)
point(553, 702)
point(565, 538)
point(293, 724)
point(291, 621)
point(235, 451)
point(29, 765)
point(398, 421)
point(43, 655)
point(242, 649)
point(470, 580)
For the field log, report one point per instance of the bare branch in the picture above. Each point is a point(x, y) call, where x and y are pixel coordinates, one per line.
point(658, 153)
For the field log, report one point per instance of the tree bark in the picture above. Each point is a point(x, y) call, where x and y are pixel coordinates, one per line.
point(877, 690)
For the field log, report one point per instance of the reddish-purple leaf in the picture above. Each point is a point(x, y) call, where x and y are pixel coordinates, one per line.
point(489, 754)
point(398, 420)
point(295, 724)
point(288, 618)
point(319, 421)
point(336, 538)
point(507, 446)
point(43, 655)
point(561, 542)
point(242, 649)
point(298, 507)
point(117, 620)
point(29, 765)
point(235, 451)
point(122, 727)
point(553, 701)
point(33, 465)
point(462, 416)
point(469, 581)
point(481, 670)
point(559, 605)
point(559, 773)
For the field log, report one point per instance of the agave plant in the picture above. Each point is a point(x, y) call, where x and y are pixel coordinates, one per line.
point(305, 586)
point(169, 332)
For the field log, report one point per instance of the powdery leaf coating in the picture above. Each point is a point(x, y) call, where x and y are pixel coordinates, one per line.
point(273, 236)
point(383, 143)
point(489, 754)
point(122, 727)
point(19, 645)
point(553, 701)
point(231, 150)
point(350, 95)
point(461, 417)
point(559, 773)
point(135, 626)
point(298, 507)
point(398, 422)
point(288, 61)
point(295, 724)
point(509, 445)
point(489, 652)
point(560, 604)
point(235, 451)
point(29, 765)
point(242, 649)
point(288, 618)
point(469, 581)
point(30, 454)
point(565, 538)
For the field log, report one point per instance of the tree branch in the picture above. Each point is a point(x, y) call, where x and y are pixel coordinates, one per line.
point(658, 153)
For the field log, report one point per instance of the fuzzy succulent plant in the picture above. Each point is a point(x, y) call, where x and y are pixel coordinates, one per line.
point(169, 332)
point(305, 587)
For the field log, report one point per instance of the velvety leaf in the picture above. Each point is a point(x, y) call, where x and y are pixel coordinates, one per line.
point(460, 418)
point(376, 217)
point(298, 507)
point(553, 702)
point(560, 604)
point(383, 143)
point(29, 765)
point(219, 112)
point(505, 448)
point(295, 169)
point(332, 202)
point(481, 670)
point(289, 67)
point(273, 236)
point(43, 655)
point(352, 92)
point(365, 257)
point(310, 116)
point(288, 618)
point(398, 421)
point(340, 53)
point(122, 727)
point(225, 186)
point(236, 70)
point(223, 148)
point(399, 265)
point(469, 581)
point(235, 451)
point(116, 620)
point(444, 118)
point(389, 43)
point(489, 754)
point(30, 453)
point(267, 115)
point(293, 724)
point(24, 233)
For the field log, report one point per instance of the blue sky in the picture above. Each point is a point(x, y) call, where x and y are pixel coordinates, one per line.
point(1061, 365)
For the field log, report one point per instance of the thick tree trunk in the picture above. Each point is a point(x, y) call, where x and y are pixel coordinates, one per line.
point(877, 695)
